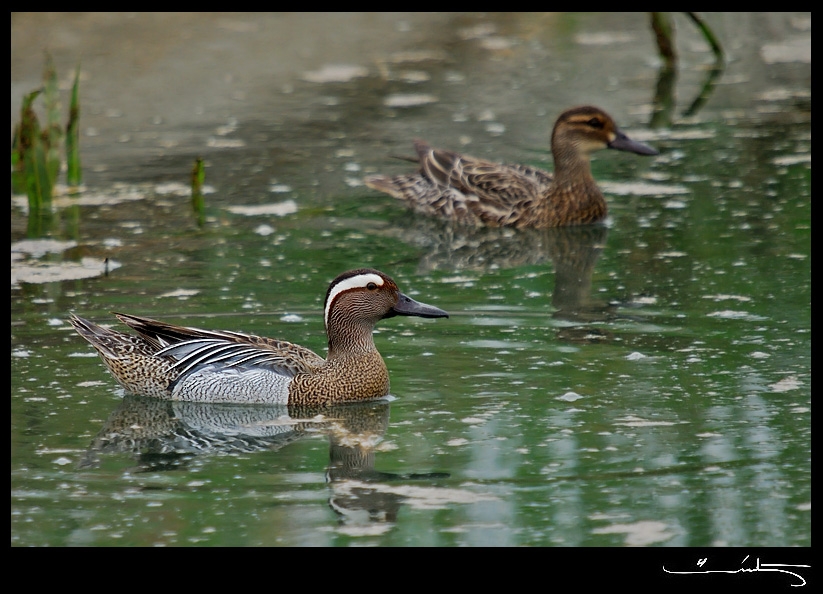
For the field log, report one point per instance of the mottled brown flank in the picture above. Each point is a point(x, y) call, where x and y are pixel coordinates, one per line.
point(475, 192)
point(130, 359)
point(275, 371)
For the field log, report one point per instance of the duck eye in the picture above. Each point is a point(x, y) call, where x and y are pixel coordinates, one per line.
point(371, 286)
point(595, 123)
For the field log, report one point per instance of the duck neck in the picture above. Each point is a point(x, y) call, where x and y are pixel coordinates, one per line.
point(573, 184)
point(347, 338)
point(570, 165)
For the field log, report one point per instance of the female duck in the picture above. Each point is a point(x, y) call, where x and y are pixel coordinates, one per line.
point(179, 363)
point(475, 192)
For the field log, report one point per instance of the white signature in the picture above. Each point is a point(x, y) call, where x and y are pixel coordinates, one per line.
point(773, 567)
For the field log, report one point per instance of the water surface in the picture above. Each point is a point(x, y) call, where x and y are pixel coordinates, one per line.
point(642, 383)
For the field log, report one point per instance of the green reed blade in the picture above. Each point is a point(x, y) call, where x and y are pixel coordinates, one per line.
point(198, 202)
point(74, 174)
point(32, 156)
point(52, 134)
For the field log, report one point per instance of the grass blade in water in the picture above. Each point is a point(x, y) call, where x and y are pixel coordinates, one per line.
point(74, 174)
point(198, 203)
point(53, 134)
point(31, 156)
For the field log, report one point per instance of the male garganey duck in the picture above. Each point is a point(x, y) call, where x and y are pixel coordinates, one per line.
point(475, 192)
point(179, 363)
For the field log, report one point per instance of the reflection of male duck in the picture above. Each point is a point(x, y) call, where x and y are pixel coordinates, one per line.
point(359, 492)
point(165, 434)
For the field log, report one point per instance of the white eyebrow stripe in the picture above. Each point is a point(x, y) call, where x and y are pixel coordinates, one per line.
point(359, 280)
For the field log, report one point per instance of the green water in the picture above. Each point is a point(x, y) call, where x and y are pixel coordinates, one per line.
point(646, 383)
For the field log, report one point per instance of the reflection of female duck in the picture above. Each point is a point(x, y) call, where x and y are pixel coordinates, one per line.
point(474, 192)
point(573, 252)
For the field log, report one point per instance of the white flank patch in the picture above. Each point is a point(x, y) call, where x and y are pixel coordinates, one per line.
point(357, 281)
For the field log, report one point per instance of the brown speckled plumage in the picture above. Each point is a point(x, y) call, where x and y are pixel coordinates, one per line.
point(475, 192)
point(190, 364)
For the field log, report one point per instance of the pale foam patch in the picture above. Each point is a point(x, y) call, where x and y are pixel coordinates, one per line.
point(279, 209)
point(409, 99)
point(336, 73)
point(638, 534)
point(357, 281)
point(52, 272)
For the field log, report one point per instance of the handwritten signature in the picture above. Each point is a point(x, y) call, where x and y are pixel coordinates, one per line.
point(771, 567)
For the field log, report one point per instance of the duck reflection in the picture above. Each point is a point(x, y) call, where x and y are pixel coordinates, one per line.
point(167, 435)
point(572, 251)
